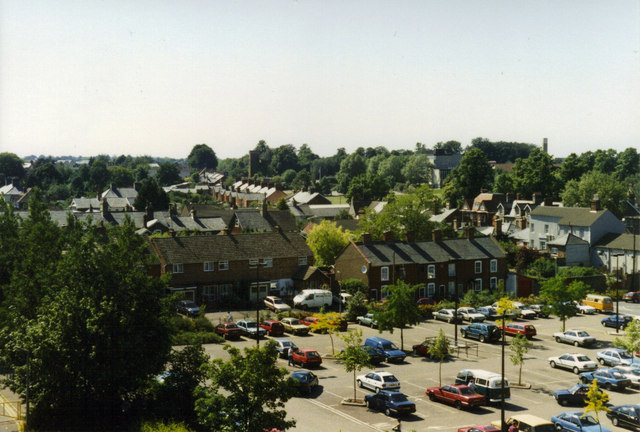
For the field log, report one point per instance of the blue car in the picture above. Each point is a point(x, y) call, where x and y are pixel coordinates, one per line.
point(574, 421)
point(622, 320)
point(391, 352)
point(576, 395)
point(607, 378)
point(391, 402)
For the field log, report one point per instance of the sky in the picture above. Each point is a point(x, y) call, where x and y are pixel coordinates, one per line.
point(156, 77)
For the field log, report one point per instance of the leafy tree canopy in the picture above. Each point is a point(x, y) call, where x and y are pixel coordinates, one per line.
point(202, 156)
point(151, 193)
point(326, 241)
point(561, 296)
point(610, 191)
point(11, 166)
point(168, 174)
point(535, 174)
point(400, 310)
point(466, 181)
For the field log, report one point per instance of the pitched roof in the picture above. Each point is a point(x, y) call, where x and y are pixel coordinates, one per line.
point(199, 249)
point(305, 197)
point(618, 241)
point(443, 216)
point(382, 253)
point(567, 239)
point(576, 216)
point(252, 220)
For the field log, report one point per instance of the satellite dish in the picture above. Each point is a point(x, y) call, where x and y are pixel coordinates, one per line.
point(363, 269)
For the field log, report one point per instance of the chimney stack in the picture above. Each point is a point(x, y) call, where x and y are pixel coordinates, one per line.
point(436, 235)
point(545, 145)
point(537, 198)
point(366, 238)
point(387, 236)
point(409, 236)
point(193, 212)
point(497, 226)
point(470, 232)
point(595, 203)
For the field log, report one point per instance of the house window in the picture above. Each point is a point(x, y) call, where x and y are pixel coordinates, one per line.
point(267, 262)
point(302, 260)
point(532, 229)
point(178, 268)
point(431, 289)
point(431, 271)
point(493, 283)
point(208, 293)
point(384, 292)
point(208, 266)
point(554, 251)
point(543, 244)
point(253, 262)
point(477, 285)
point(452, 269)
point(223, 265)
point(478, 266)
point(546, 228)
point(384, 273)
point(494, 265)
point(422, 291)
point(452, 288)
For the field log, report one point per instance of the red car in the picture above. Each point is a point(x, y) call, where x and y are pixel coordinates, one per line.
point(307, 358)
point(480, 428)
point(460, 396)
point(632, 296)
point(273, 327)
point(516, 328)
point(228, 330)
point(425, 301)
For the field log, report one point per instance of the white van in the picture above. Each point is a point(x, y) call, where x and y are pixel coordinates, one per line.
point(486, 383)
point(313, 298)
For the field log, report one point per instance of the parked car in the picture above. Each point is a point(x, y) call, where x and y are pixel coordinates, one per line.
point(390, 402)
point(273, 327)
point(342, 298)
point(543, 311)
point(631, 296)
point(577, 421)
point(616, 357)
point(448, 315)
point(375, 355)
point(574, 362)
point(251, 329)
point(304, 381)
point(424, 347)
point(524, 311)
point(367, 320)
point(575, 337)
point(585, 309)
point(622, 320)
point(607, 378)
point(188, 308)
point(460, 396)
point(377, 381)
point(294, 326)
point(518, 328)
point(276, 304)
point(482, 331)
point(425, 301)
point(631, 372)
point(528, 422)
point(625, 415)
point(576, 395)
point(306, 357)
point(313, 298)
point(283, 346)
point(391, 352)
point(479, 428)
point(228, 330)
point(471, 315)
point(488, 311)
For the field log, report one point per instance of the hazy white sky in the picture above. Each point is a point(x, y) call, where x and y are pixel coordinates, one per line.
point(156, 77)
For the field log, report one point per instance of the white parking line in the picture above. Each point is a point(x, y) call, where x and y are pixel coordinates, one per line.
point(344, 415)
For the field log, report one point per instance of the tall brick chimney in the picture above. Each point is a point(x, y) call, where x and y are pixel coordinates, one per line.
point(470, 232)
point(409, 236)
point(366, 238)
point(387, 236)
point(436, 235)
point(595, 203)
point(497, 226)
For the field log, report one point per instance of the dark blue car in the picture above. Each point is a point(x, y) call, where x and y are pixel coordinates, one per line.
point(390, 402)
point(576, 395)
point(622, 320)
point(607, 378)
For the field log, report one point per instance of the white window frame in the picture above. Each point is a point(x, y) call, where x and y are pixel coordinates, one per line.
point(302, 261)
point(431, 271)
point(493, 283)
point(532, 227)
point(477, 285)
point(554, 251)
point(546, 228)
point(253, 262)
point(477, 267)
point(384, 292)
point(267, 262)
point(223, 265)
point(452, 269)
point(431, 289)
point(493, 264)
point(543, 244)
point(384, 273)
point(208, 266)
point(177, 268)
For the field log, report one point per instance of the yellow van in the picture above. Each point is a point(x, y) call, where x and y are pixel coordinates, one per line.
point(599, 302)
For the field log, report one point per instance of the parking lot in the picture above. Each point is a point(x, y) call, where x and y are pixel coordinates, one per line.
point(324, 411)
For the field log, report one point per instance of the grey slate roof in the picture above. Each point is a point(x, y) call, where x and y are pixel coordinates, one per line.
point(567, 239)
point(575, 216)
point(199, 249)
point(440, 218)
point(618, 241)
point(252, 220)
point(381, 253)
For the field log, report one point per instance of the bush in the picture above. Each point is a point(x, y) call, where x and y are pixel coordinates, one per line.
point(352, 286)
point(161, 427)
point(355, 306)
point(203, 324)
point(195, 338)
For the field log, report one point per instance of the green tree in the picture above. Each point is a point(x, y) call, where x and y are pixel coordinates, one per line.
point(96, 332)
point(439, 351)
point(367, 188)
point(561, 296)
point(466, 181)
point(400, 311)
point(628, 164)
point(98, 175)
point(9, 239)
point(356, 306)
point(202, 156)
point(326, 241)
point(354, 358)
point(605, 160)
point(542, 268)
point(284, 158)
point(282, 204)
point(306, 157)
point(350, 167)
point(572, 168)
point(520, 346)
point(503, 183)
point(631, 339)
point(391, 169)
point(301, 181)
point(449, 147)
point(596, 401)
point(328, 323)
point(535, 174)
point(168, 174)
point(121, 176)
point(611, 192)
point(151, 193)
point(418, 170)
point(11, 166)
point(246, 393)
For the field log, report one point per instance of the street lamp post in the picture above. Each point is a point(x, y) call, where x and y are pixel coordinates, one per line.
point(503, 425)
point(26, 396)
point(617, 255)
point(258, 304)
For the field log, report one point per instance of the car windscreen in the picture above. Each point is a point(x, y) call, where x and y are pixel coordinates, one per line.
point(588, 421)
point(313, 354)
point(389, 346)
point(624, 355)
point(583, 334)
point(250, 324)
point(583, 358)
point(399, 398)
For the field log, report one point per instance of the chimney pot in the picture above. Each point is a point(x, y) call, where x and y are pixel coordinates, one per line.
point(387, 236)
point(366, 238)
point(436, 235)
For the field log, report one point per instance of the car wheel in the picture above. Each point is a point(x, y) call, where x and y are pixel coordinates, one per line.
point(463, 333)
point(482, 338)
point(552, 364)
point(366, 402)
point(584, 380)
point(377, 389)
point(563, 402)
point(387, 412)
point(558, 427)
point(359, 383)
point(458, 405)
point(601, 360)
point(576, 344)
point(450, 321)
point(432, 397)
point(604, 324)
point(607, 386)
point(576, 370)
point(558, 339)
point(614, 420)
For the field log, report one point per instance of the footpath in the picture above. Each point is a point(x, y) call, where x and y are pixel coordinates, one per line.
point(9, 411)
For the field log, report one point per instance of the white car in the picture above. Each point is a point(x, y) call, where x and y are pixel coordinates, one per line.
point(574, 337)
point(630, 372)
point(377, 381)
point(524, 312)
point(585, 309)
point(448, 315)
point(276, 304)
point(575, 362)
point(471, 315)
